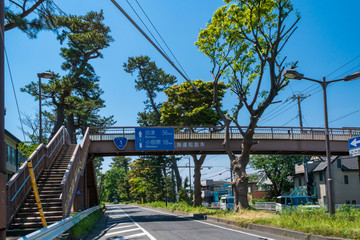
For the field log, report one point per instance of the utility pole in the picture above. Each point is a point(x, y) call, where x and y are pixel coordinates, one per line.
point(165, 179)
point(299, 97)
point(190, 176)
point(3, 218)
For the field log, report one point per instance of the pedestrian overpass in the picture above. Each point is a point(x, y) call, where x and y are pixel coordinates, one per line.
point(208, 140)
point(66, 174)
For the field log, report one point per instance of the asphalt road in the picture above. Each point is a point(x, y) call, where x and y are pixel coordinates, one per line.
point(132, 222)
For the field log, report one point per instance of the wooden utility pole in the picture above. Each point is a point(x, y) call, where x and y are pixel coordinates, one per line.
point(3, 218)
point(299, 97)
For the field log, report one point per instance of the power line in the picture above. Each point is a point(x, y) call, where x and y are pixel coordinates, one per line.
point(343, 66)
point(146, 27)
point(347, 72)
point(152, 43)
point(13, 87)
point(344, 116)
point(289, 121)
point(161, 38)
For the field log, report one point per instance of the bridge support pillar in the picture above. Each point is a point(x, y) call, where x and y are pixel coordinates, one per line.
point(80, 195)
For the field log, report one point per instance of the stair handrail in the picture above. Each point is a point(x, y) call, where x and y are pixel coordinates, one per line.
point(71, 177)
point(18, 187)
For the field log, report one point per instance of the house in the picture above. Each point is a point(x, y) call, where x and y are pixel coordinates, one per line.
point(212, 191)
point(346, 179)
point(259, 188)
point(14, 158)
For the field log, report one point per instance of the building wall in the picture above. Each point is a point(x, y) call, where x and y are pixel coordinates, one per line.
point(346, 192)
point(13, 157)
point(343, 193)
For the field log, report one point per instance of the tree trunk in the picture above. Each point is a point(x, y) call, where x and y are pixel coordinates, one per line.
point(59, 119)
point(197, 178)
point(240, 183)
point(177, 173)
point(70, 125)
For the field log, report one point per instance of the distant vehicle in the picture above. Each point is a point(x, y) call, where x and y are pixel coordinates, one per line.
point(288, 202)
point(227, 203)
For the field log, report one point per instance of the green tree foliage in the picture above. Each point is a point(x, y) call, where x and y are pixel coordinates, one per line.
point(184, 107)
point(152, 80)
point(31, 16)
point(76, 97)
point(243, 42)
point(113, 187)
point(279, 169)
point(147, 179)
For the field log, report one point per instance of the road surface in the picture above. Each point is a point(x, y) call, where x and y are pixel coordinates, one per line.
point(132, 222)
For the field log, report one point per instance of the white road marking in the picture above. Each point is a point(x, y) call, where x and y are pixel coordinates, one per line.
point(130, 236)
point(123, 231)
point(132, 220)
point(214, 225)
point(125, 226)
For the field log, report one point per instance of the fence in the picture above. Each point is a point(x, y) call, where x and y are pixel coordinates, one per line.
point(335, 134)
point(56, 229)
point(268, 206)
point(19, 185)
point(74, 170)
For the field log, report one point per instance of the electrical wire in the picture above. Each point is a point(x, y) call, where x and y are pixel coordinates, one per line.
point(147, 28)
point(154, 45)
point(13, 87)
point(343, 66)
point(162, 38)
point(290, 120)
point(344, 116)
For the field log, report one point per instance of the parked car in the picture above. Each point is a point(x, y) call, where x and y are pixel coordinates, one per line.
point(227, 203)
point(290, 202)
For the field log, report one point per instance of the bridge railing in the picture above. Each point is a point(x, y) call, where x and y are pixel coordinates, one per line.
point(278, 133)
point(19, 185)
point(72, 175)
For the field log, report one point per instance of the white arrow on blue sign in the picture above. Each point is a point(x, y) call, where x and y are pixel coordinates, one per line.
point(354, 142)
point(354, 146)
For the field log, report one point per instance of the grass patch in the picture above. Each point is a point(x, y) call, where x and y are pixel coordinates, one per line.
point(86, 224)
point(344, 224)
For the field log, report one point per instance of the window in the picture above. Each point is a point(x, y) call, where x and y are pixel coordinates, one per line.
point(347, 201)
point(339, 163)
point(346, 179)
point(353, 202)
point(299, 181)
point(321, 176)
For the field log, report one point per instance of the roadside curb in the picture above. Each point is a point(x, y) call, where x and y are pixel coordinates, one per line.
point(261, 228)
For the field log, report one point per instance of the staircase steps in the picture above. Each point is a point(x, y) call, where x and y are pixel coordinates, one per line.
point(49, 188)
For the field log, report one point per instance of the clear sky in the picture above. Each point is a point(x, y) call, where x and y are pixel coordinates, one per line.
point(326, 39)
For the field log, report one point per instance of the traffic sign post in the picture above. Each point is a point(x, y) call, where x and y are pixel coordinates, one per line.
point(152, 139)
point(354, 146)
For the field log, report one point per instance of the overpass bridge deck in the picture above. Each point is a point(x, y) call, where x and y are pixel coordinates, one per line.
point(208, 140)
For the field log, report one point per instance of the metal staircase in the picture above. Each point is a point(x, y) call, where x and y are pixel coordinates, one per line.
point(49, 186)
point(61, 170)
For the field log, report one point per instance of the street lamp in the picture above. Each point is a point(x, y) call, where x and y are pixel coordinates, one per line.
point(293, 74)
point(42, 75)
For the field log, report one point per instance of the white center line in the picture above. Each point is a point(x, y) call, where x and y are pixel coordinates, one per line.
point(124, 231)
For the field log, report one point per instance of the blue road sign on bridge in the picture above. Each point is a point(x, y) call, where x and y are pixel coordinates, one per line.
point(354, 146)
point(151, 139)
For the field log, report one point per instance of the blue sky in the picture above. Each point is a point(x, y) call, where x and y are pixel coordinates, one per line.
point(326, 39)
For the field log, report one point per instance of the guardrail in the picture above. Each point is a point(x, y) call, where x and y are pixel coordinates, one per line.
point(19, 185)
point(72, 175)
point(268, 206)
point(56, 229)
point(217, 132)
